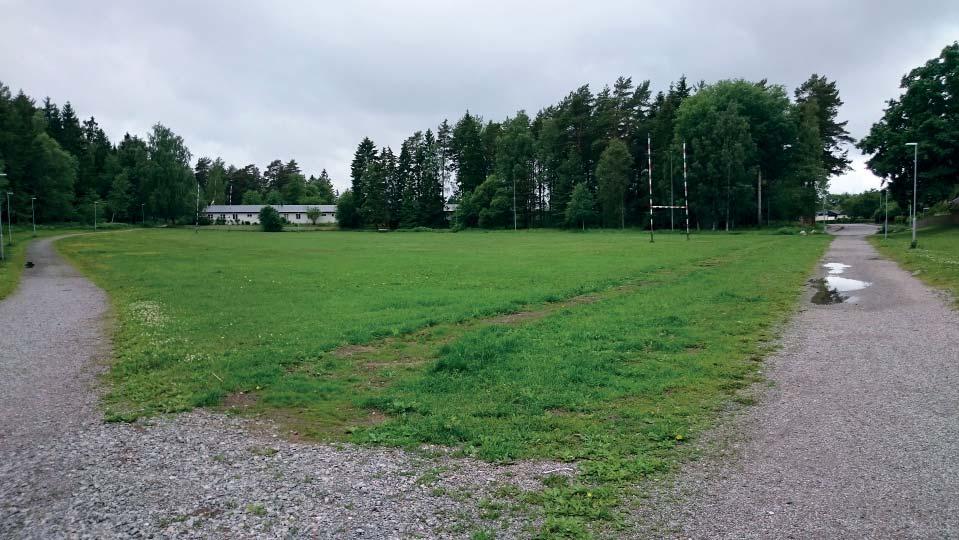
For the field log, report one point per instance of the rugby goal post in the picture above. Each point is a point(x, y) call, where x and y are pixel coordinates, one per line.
point(654, 207)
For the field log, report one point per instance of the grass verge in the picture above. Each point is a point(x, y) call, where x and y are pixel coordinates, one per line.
point(935, 260)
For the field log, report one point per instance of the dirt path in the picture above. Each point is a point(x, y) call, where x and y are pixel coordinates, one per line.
point(65, 474)
point(858, 436)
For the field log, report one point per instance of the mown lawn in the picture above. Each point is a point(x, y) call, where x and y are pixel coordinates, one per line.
point(623, 350)
point(936, 258)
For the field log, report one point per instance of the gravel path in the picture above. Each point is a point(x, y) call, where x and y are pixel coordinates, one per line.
point(63, 473)
point(858, 434)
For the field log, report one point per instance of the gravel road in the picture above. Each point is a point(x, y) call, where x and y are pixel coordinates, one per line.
point(858, 434)
point(64, 473)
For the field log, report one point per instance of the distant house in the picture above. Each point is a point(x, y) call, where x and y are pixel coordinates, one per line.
point(237, 214)
point(829, 215)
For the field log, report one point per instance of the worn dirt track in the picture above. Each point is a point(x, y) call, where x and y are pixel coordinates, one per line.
point(858, 434)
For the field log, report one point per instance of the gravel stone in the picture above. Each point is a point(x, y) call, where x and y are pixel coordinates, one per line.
point(855, 437)
point(65, 473)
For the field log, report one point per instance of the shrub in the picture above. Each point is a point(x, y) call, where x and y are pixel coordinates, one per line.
point(270, 220)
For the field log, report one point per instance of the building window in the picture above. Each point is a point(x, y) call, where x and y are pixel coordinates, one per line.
point(298, 216)
point(249, 215)
point(234, 217)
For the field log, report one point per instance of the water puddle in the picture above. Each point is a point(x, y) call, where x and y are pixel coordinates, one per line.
point(836, 267)
point(841, 284)
point(831, 289)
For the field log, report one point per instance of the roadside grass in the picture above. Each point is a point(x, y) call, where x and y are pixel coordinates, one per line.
point(936, 259)
point(598, 349)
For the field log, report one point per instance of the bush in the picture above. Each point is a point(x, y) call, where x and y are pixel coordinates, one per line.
point(270, 220)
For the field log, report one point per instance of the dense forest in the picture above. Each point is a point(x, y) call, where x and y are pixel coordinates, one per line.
point(47, 152)
point(754, 153)
point(741, 137)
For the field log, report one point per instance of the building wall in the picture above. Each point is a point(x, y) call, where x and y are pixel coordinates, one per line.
point(254, 218)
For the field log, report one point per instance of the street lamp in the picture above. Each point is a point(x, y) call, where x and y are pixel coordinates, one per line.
point(915, 170)
point(9, 223)
point(885, 222)
point(2, 256)
point(33, 216)
point(95, 215)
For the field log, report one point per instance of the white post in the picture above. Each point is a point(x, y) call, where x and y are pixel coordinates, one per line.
point(885, 207)
point(33, 216)
point(649, 158)
point(514, 203)
point(759, 202)
point(685, 190)
point(9, 218)
point(915, 171)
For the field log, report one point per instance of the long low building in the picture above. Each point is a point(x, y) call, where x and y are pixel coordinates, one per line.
point(243, 214)
point(240, 214)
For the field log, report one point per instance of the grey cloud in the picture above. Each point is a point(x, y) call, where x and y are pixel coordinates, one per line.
point(254, 81)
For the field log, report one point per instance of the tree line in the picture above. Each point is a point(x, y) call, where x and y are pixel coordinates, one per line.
point(754, 154)
point(586, 160)
point(926, 113)
point(67, 165)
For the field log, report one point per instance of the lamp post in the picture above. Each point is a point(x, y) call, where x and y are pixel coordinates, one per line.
point(885, 221)
point(143, 214)
point(95, 215)
point(2, 256)
point(514, 203)
point(9, 221)
point(915, 170)
point(33, 216)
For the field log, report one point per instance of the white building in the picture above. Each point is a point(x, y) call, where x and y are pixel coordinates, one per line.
point(240, 214)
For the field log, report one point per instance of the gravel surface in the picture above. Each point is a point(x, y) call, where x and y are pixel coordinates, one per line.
point(857, 435)
point(64, 473)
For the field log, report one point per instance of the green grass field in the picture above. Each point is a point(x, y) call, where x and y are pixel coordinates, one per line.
point(936, 259)
point(598, 348)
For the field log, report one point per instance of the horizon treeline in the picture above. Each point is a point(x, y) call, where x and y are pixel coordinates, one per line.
point(740, 137)
point(67, 165)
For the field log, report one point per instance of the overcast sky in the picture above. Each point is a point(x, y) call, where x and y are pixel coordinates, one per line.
point(254, 81)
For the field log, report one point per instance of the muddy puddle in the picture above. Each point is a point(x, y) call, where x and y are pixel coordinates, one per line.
point(832, 289)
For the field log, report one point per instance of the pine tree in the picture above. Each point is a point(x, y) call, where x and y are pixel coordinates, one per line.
point(365, 154)
point(468, 153)
point(833, 134)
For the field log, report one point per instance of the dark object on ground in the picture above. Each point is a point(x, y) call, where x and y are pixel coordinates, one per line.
point(29, 264)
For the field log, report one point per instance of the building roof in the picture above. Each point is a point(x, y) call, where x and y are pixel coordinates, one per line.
point(255, 208)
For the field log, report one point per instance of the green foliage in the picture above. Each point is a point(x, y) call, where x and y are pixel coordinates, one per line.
point(120, 199)
point(253, 197)
point(928, 113)
point(270, 220)
point(581, 209)
point(612, 175)
point(347, 212)
point(170, 180)
point(313, 214)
